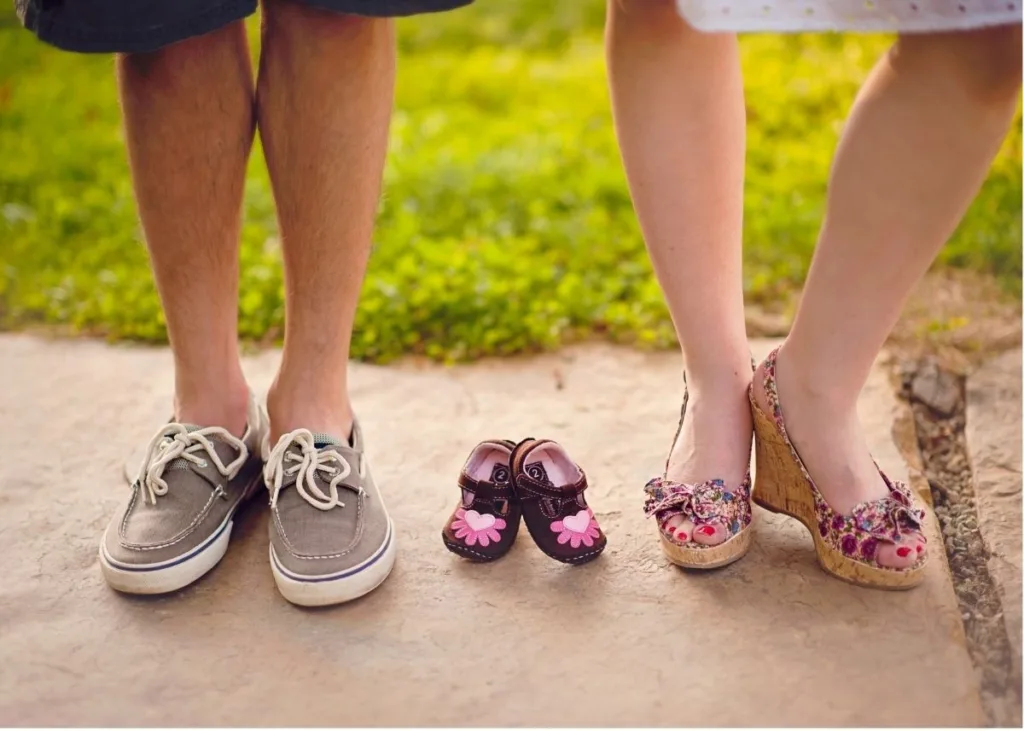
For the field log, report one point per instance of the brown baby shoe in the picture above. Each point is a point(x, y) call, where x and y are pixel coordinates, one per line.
point(486, 520)
point(549, 486)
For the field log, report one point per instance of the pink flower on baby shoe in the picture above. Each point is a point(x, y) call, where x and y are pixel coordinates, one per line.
point(577, 529)
point(474, 527)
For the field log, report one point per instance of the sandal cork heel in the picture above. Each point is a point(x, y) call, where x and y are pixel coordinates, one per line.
point(776, 475)
point(845, 545)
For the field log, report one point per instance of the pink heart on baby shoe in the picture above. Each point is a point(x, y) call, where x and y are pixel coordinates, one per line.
point(478, 522)
point(578, 523)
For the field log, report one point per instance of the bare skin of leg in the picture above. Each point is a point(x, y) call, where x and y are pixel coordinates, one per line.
point(324, 96)
point(917, 146)
point(188, 114)
point(677, 96)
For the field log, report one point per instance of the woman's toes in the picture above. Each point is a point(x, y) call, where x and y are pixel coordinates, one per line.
point(898, 555)
point(710, 534)
point(907, 552)
point(678, 528)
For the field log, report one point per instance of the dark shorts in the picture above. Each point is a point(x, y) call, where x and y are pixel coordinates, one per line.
point(138, 26)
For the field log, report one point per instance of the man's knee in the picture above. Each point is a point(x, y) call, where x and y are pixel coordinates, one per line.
point(283, 16)
point(178, 61)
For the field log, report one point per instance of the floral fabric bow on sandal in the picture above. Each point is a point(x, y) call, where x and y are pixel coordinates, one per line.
point(703, 503)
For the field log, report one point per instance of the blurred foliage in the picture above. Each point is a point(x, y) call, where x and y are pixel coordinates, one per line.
point(505, 225)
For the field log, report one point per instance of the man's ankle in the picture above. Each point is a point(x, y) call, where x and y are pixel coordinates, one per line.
point(301, 408)
point(226, 407)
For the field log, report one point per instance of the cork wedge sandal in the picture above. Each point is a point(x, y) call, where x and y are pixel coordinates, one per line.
point(706, 504)
point(845, 545)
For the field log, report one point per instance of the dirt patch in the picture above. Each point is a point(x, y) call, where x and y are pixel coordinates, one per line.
point(959, 318)
point(937, 399)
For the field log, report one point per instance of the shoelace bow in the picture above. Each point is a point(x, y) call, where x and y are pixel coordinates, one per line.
point(175, 442)
point(306, 466)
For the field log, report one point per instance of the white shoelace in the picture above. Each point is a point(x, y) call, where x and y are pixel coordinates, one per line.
point(173, 442)
point(306, 465)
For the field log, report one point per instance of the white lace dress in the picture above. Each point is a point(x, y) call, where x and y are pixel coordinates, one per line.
point(909, 16)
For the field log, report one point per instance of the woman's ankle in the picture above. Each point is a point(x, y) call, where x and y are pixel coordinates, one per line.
point(813, 382)
point(719, 378)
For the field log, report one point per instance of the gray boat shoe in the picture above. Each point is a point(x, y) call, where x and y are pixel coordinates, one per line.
point(331, 539)
point(177, 523)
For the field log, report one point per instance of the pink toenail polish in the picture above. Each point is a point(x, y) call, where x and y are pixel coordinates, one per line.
point(902, 551)
point(708, 530)
point(920, 548)
point(681, 536)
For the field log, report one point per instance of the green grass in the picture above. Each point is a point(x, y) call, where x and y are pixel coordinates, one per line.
point(505, 225)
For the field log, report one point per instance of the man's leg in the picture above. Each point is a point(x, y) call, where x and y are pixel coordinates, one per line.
point(188, 111)
point(324, 101)
point(188, 114)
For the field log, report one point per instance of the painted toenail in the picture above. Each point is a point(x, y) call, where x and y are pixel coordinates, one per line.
point(708, 530)
point(902, 551)
point(681, 536)
point(920, 548)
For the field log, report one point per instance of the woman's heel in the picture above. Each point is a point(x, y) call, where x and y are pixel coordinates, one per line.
point(779, 485)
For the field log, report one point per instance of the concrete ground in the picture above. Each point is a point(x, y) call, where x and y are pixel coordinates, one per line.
point(625, 640)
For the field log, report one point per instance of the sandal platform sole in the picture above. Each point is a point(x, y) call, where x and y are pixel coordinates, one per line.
point(707, 557)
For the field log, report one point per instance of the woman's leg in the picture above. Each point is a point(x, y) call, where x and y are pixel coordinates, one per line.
point(916, 148)
point(678, 100)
